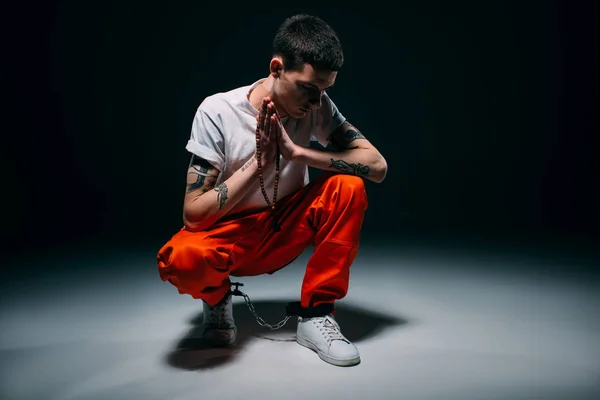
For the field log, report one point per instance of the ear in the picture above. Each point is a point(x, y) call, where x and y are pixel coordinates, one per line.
point(276, 67)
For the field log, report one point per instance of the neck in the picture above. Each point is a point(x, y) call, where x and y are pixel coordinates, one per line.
point(263, 90)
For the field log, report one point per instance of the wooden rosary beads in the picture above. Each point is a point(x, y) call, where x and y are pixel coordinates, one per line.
point(276, 226)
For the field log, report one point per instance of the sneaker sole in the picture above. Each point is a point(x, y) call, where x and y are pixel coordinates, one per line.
point(221, 343)
point(327, 358)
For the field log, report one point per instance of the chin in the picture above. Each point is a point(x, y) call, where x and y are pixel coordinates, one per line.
point(301, 113)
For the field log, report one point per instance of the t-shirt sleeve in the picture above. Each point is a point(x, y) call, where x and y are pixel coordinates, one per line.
point(329, 120)
point(206, 139)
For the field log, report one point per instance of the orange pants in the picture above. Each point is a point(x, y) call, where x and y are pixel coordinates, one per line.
point(327, 213)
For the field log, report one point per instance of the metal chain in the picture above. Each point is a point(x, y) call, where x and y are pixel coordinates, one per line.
point(260, 321)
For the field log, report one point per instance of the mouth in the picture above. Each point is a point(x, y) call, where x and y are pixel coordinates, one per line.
point(305, 110)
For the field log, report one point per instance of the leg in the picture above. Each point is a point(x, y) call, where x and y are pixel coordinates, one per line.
point(337, 217)
point(327, 213)
point(199, 263)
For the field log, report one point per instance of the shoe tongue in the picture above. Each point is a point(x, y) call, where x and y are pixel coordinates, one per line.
point(328, 322)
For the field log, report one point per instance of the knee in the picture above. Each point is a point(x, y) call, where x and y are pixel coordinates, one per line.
point(350, 187)
point(347, 182)
point(191, 258)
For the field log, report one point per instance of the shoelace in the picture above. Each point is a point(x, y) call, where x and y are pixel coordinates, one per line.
point(330, 331)
point(217, 315)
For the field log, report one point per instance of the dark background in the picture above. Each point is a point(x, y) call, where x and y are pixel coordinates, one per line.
point(485, 112)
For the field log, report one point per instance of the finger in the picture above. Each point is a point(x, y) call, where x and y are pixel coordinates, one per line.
point(274, 127)
point(273, 111)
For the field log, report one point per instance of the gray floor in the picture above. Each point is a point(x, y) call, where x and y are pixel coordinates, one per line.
point(429, 323)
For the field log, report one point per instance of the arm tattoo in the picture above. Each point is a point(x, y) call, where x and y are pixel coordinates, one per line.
point(201, 174)
point(248, 164)
point(221, 194)
point(355, 169)
point(350, 133)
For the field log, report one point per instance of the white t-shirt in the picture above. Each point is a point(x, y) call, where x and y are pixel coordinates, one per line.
point(224, 134)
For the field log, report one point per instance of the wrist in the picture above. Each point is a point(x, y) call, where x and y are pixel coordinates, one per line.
point(298, 154)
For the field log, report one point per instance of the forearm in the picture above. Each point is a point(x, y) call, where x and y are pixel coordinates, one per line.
point(205, 209)
point(365, 163)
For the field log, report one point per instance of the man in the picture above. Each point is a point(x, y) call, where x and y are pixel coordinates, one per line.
point(249, 207)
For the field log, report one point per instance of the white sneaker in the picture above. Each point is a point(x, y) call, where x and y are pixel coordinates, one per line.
point(322, 334)
point(219, 326)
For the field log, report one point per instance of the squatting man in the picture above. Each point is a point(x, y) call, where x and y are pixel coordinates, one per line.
point(249, 206)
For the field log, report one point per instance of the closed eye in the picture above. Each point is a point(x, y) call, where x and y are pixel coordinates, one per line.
point(315, 90)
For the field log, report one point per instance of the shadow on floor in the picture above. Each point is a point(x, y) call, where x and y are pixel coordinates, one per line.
point(190, 353)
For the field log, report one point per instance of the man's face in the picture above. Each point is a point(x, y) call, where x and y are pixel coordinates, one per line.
point(298, 92)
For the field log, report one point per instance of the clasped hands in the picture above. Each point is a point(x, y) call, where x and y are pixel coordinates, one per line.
point(271, 134)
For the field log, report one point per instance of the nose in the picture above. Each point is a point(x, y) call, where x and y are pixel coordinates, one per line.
point(315, 102)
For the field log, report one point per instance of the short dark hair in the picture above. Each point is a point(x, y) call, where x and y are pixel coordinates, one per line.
point(308, 39)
